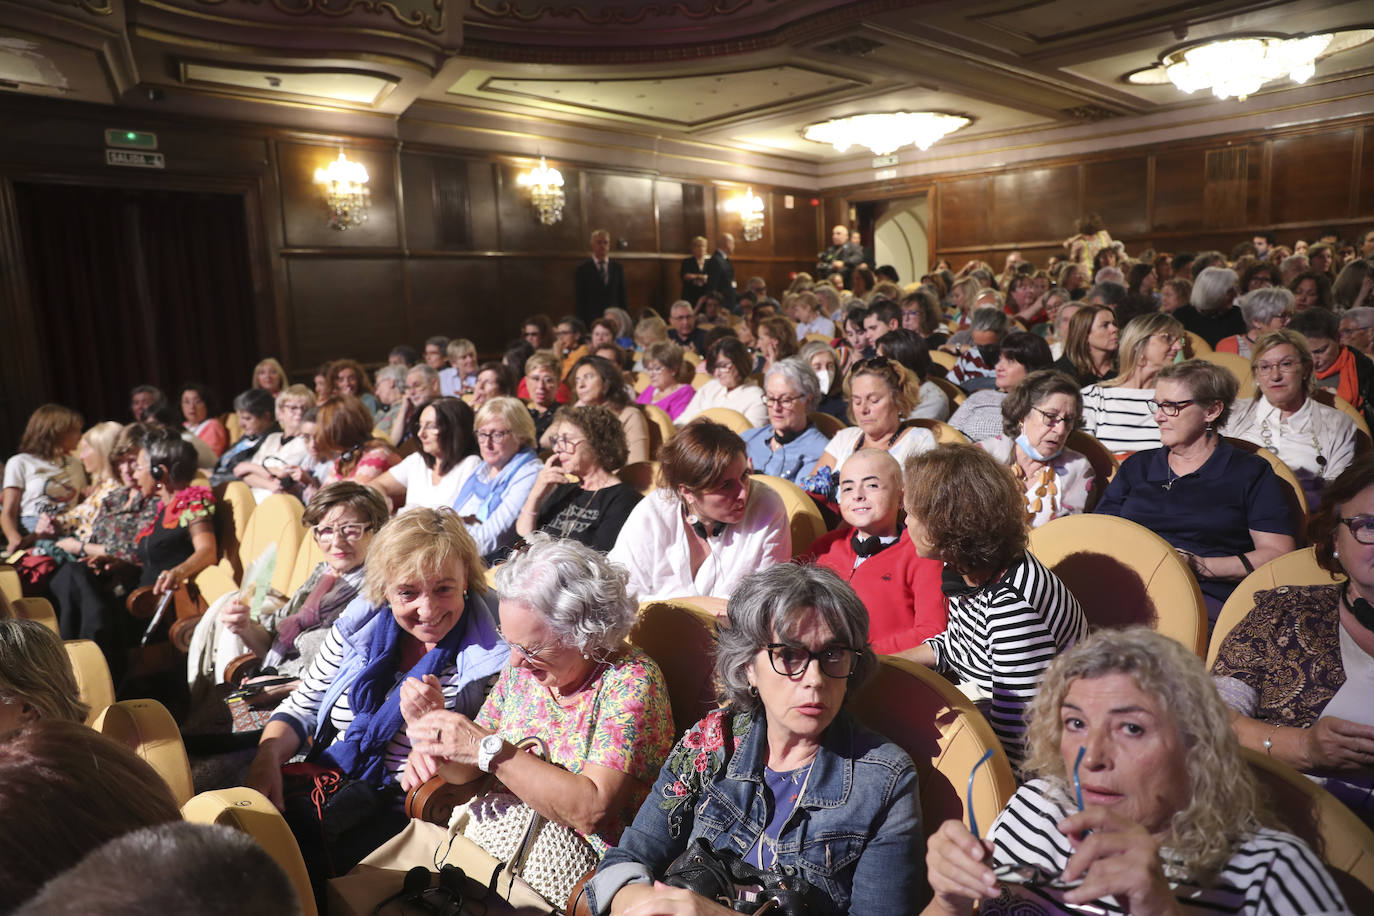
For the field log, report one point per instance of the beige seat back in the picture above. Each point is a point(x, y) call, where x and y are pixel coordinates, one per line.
point(642, 475)
point(93, 682)
point(39, 609)
point(945, 735)
point(1105, 464)
point(803, 516)
point(234, 506)
point(250, 812)
point(661, 427)
point(827, 425)
point(10, 585)
point(731, 419)
point(943, 432)
point(1334, 832)
point(1296, 568)
point(277, 520)
point(680, 637)
point(943, 359)
point(952, 391)
point(1238, 366)
point(308, 556)
point(1200, 346)
point(148, 729)
point(1123, 574)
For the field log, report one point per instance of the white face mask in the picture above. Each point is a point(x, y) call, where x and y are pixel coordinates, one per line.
point(823, 376)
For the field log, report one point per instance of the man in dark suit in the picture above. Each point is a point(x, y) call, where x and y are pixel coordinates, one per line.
point(599, 282)
point(842, 255)
point(698, 272)
point(724, 285)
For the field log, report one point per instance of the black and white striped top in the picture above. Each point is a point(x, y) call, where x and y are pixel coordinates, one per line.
point(1271, 873)
point(1120, 418)
point(1001, 638)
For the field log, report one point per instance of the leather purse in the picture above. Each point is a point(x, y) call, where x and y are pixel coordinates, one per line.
point(725, 878)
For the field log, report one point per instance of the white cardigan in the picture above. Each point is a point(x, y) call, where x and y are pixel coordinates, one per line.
point(746, 398)
point(653, 546)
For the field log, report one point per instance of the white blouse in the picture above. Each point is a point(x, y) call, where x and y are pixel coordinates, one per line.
point(915, 440)
point(746, 398)
point(1317, 442)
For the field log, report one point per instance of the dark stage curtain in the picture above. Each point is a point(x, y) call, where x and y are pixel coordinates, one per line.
point(137, 286)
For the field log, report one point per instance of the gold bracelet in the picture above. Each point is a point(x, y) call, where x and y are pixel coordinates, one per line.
point(1269, 740)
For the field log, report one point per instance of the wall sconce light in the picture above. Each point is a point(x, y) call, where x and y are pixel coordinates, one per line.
point(345, 192)
point(749, 206)
point(546, 191)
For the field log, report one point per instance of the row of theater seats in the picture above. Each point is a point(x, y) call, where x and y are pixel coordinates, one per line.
point(941, 730)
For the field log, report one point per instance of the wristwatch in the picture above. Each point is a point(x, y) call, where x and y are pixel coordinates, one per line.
point(487, 749)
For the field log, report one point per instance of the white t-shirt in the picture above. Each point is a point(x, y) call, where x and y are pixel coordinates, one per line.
point(746, 398)
point(914, 441)
point(421, 490)
point(30, 475)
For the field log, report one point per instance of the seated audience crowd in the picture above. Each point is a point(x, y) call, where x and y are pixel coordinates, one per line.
point(859, 467)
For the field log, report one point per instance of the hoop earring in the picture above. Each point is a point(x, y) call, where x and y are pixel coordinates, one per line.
point(753, 692)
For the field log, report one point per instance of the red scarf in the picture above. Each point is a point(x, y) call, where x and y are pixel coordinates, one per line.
point(1348, 388)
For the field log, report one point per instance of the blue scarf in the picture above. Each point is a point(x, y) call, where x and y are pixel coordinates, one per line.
point(490, 492)
point(375, 697)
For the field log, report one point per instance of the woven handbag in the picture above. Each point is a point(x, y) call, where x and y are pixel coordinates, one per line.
point(549, 857)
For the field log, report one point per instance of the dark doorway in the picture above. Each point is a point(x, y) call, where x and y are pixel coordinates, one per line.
point(137, 286)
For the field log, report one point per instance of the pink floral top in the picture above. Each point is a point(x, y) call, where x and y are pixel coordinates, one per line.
point(623, 723)
point(373, 463)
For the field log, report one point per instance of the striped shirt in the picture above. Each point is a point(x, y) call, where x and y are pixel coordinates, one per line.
point(1001, 638)
point(302, 707)
point(1120, 419)
point(1271, 873)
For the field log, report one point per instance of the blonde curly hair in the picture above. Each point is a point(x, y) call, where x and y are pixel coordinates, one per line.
point(1221, 811)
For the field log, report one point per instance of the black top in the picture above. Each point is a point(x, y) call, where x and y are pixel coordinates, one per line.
point(692, 290)
point(591, 295)
point(695, 343)
point(1066, 366)
point(1212, 327)
point(163, 548)
point(723, 282)
point(594, 518)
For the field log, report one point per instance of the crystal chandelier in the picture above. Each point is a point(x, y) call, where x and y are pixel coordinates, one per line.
point(345, 192)
point(749, 206)
point(1240, 66)
point(884, 133)
point(546, 191)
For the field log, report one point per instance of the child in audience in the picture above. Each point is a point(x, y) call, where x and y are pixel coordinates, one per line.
point(900, 589)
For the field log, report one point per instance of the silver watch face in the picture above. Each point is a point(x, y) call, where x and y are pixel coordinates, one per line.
point(491, 744)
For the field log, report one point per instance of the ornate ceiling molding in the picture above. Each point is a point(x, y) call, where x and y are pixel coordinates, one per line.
point(417, 14)
point(593, 12)
point(96, 7)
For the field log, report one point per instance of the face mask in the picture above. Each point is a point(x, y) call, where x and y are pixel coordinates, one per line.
point(823, 376)
point(1029, 449)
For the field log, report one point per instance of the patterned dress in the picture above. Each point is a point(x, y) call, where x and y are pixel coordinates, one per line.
point(623, 723)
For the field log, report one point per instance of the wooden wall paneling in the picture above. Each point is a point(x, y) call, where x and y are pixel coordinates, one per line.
point(963, 212)
point(1117, 190)
point(520, 229)
point(485, 217)
point(304, 215)
point(623, 205)
point(437, 202)
point(1256, 187)
point(1312, 176)
point(1032, 204)
point(1362, 174)
point(542, 283)
point(1179, 182)
point(345, 306)
point(1224, 192)
point(682, 216)
point(460, 297)
point(730, 222)
point(647, 285)
point(794, 229)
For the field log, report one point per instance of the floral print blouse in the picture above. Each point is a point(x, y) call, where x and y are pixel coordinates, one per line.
point(123, 514)
point(623, 723)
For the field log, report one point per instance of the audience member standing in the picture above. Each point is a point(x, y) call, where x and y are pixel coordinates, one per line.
point(599, 283)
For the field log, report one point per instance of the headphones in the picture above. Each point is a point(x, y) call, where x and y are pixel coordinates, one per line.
point(1361, 609)
point(157, 472)
point(700, 529)
point(416, 893)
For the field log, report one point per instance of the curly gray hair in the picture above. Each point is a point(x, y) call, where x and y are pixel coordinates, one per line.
point(580, 594)
point(772, 606)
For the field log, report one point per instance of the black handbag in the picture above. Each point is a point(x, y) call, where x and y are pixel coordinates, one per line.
point(724, 877)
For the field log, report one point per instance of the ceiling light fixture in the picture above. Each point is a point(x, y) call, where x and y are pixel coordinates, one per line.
point(345, 192)
point(884, 133)
point(749, 206)
point(546, 191)
point(1238, 67)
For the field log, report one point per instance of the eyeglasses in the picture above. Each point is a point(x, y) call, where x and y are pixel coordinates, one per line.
point(566, 443)
point(1053, 419)
point(1013, 872)
point(346, 532)
point(1361, 528)
point(1284, 366)
point(1168, 408)
point(531, 655)
point(792, 661)
point(783, 401)
point(492, 437)
point(723, 367)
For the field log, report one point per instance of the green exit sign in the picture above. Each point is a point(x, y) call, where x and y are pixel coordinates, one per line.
point(130, 139)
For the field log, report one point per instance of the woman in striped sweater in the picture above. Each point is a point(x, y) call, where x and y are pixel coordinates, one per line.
point(1138, 802)
point(1009, 616)
point(1115, 411)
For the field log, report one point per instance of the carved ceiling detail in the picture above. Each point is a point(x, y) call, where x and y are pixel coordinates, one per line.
point(609, 13)
point(98, 7)
point(419, 14)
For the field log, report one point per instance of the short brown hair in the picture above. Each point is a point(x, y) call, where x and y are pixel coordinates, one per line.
point(972, 508)
point(1207, 383)
point(1033, 389)
point(905, 386)
point(784, 332)
point(45, 430)
point(604, 432)
point(696, 458)
point(365, 501)
point(339, 365)
point(342, 423)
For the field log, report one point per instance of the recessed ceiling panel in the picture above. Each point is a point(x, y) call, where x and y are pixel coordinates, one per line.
point(681, 102)
point(333, 85)
point(22, 63)
point(1042, 21)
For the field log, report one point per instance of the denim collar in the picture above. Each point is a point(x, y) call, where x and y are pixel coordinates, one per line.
point(832, 770)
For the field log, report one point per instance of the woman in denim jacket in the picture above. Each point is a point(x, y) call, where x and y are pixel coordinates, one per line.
point(783, 777)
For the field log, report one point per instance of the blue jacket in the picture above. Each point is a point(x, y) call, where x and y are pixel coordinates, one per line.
point(791, 461)
point(855, 834)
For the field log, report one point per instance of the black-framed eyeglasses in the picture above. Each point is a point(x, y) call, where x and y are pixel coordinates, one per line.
point(783, 401)
point(1168, 408)
point(792, 661)
point(1053, 419)
point(1361, 528)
